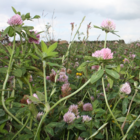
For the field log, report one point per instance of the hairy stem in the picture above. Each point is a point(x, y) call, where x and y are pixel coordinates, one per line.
point(109, 107)
point(129, 109)
point(21, 128)
point(44, 116)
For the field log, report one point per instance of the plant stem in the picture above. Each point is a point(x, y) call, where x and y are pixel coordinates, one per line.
point(30, 88)
point(109, 107)
point(129, 108)
point(44, 116)
point(4, 85)
point(67, 53)
point(68, 135)
point(21, 128)
point(105, 40)
point(130, 128)
point(5, 82)
point(44, 74)
point(95, 133)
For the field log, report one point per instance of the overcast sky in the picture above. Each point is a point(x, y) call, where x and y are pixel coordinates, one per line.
point(124, 13)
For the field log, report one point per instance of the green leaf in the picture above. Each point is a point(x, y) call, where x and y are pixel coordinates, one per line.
point(97, 75)
point(5, 32)
point(52, 47)
point(80, 126)
point(120, 119)
point(11, 32)
point(20, 83)
point(27, 15)
point(82, 66)
point(34, 56)
point(52, 54)
point(40, 95)
point(110, 81)
point(22, 111)
point(33, 109)
point(70, 126)
point(54, 64)
point(44, 47)
point(3, 70)
point(34, 99)
point(3, 121)
point(95, 104)
point(112, 73)
point(2, 112)
point(85, 134)
point(56, 124)
point(17, 72)
point(36, 16)
point(124, 105)
point(14, 10)
point(25, 137)
point(49, 130)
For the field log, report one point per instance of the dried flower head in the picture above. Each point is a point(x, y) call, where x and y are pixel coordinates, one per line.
point(33, 40)
point(39, 115)
point(87, 107)
point(66, 89)
point(79, 138)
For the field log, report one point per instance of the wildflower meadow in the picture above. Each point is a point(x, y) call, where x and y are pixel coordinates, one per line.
point(70, 91)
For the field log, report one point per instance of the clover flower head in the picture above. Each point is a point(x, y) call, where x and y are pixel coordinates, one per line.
point(125, 88)
point(108, 25)
point(104, 53)
point(86, 118)
point(69, 117)
point(15, 20)
point(74, 108)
